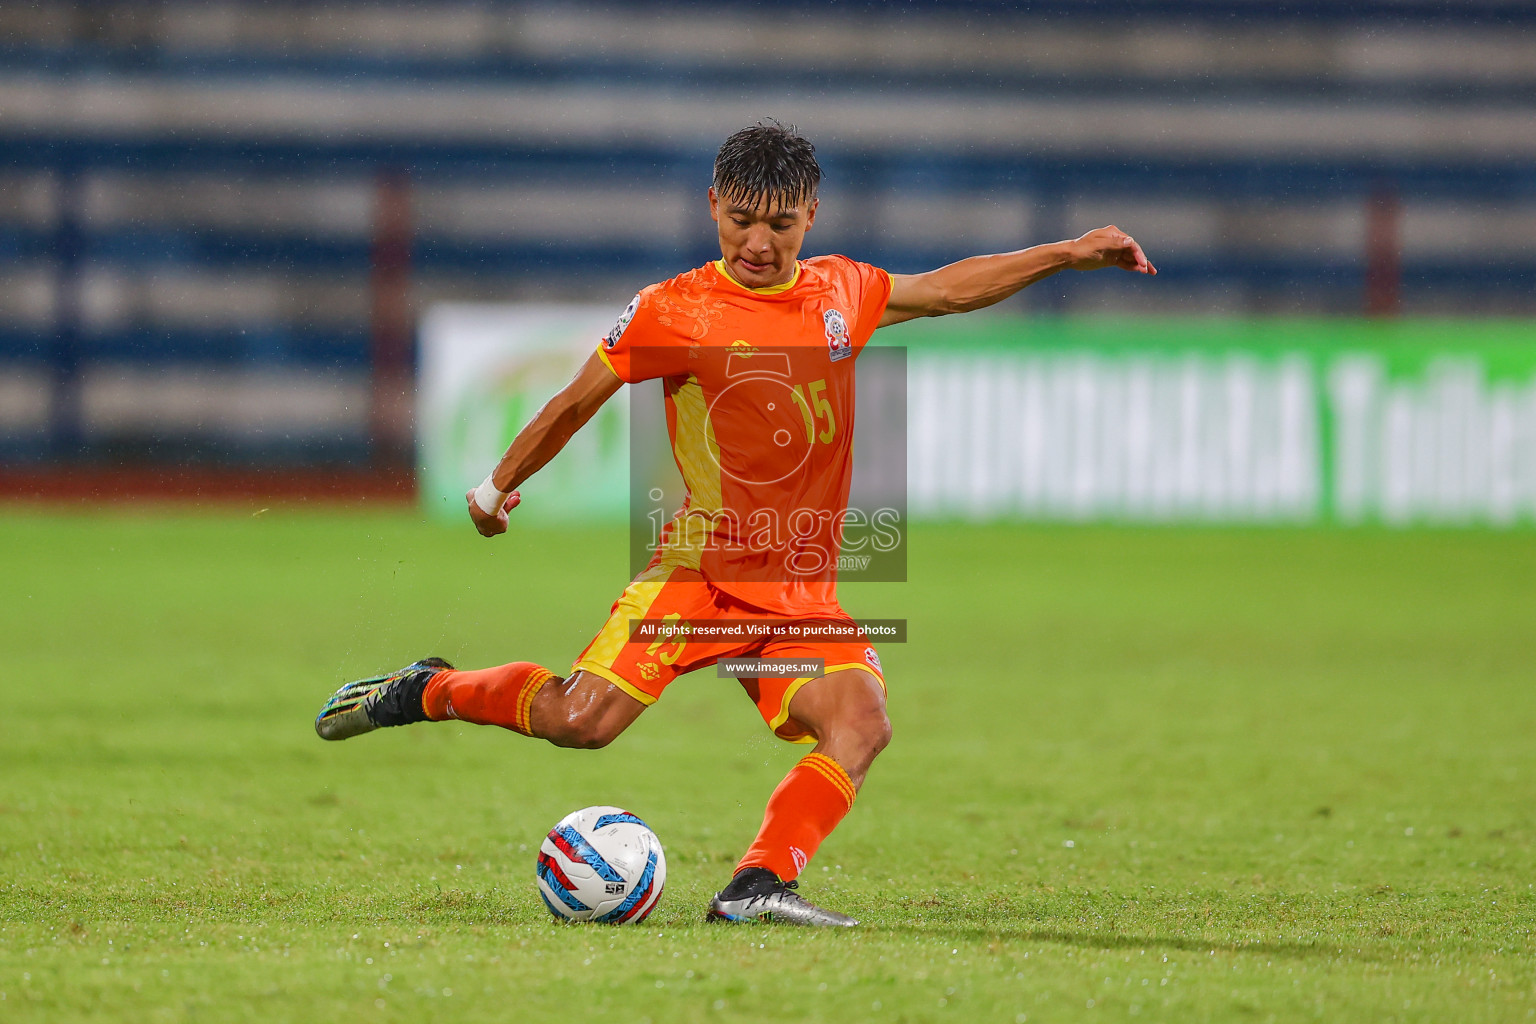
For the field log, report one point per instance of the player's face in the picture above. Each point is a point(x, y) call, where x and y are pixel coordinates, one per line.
point(760, 243)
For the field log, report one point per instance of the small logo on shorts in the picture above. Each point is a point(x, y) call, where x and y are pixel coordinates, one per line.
point(799, 857)
point(873, 659)
point(839, 345)
point(650, 671)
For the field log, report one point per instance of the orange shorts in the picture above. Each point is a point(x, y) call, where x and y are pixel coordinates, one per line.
point(642, 668)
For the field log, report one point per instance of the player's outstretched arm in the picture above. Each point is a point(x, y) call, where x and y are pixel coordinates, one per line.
point(981, 281)
point(540, 441)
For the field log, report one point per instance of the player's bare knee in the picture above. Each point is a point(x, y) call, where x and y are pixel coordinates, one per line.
point(582, 732)
point(874, 731)
point(860, 734)
point(871, 719)
point(582, 715)
point(880, 734)
point(588, 740)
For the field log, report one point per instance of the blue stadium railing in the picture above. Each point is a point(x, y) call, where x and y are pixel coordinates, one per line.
point(1047, 181)
point(1087, 83)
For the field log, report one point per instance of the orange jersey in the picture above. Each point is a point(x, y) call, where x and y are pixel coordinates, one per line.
point(759, 387)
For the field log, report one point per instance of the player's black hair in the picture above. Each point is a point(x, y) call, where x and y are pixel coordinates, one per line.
point(767, 160)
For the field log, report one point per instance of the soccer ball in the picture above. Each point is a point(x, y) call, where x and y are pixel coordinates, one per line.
point(601, 864)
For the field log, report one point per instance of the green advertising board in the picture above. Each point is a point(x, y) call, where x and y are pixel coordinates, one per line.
point(1222, 420)
point(1135, 420)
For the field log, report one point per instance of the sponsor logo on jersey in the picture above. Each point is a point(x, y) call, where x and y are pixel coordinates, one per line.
point(742, 347)
point(839, 345)
point(873, 659)
point(623, 325)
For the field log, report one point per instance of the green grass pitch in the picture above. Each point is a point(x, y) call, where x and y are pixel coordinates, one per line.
point(1138, 774)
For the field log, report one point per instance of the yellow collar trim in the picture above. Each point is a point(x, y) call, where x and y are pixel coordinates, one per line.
point(773, 289)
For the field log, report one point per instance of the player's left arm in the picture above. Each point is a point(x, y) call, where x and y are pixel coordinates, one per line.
point(981, 281)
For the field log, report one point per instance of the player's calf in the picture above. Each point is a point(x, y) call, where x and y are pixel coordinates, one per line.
point(584, 712)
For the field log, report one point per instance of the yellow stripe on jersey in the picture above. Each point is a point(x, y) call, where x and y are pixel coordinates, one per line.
point(698, 456)
point(603, 355)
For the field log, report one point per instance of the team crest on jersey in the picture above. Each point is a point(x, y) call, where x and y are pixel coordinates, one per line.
point(873, 659)
point(623, 324)
point(839, 345)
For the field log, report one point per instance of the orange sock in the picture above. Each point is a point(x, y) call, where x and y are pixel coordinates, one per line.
point(490, 696)
point(812, 799)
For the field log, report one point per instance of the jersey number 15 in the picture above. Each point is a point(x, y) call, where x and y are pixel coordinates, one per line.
point(815, 408)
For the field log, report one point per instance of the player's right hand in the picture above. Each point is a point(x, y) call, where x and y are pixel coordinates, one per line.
point(491, 525)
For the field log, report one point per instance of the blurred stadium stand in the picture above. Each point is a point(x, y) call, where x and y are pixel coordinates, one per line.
point(219, 220)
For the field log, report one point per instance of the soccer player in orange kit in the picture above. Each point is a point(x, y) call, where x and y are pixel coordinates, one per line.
point(766, 457)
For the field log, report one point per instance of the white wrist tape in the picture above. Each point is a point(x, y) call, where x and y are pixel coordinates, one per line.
point(489, 498)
